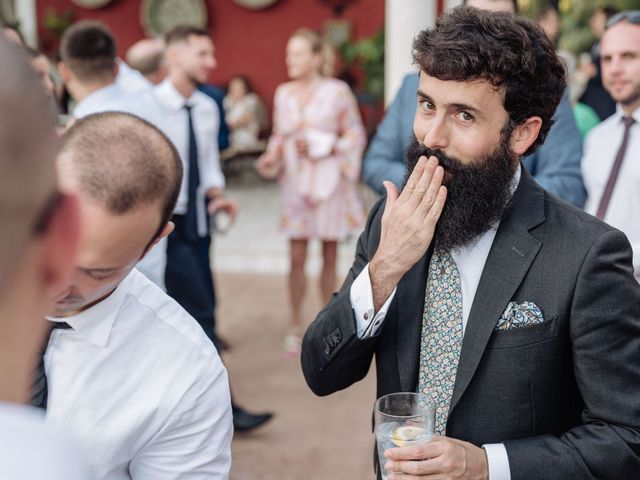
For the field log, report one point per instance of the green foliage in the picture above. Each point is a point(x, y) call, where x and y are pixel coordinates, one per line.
point(368, 55)
point(58, 22)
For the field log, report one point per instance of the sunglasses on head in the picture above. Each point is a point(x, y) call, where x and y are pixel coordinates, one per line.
point(631, 16)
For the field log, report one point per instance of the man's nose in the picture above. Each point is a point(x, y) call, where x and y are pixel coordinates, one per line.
point(436, 136)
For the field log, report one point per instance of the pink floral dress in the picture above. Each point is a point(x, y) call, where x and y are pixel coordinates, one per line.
point(320, 191)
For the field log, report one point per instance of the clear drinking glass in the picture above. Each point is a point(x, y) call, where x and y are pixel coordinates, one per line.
point(403, 419)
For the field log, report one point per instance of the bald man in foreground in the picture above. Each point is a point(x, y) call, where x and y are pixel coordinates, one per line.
point(130, 372)
point(38, 240)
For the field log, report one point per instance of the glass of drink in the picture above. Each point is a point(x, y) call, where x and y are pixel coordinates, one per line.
point(402, 419)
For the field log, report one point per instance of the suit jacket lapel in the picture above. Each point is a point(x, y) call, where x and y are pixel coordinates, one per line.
point(510, 257)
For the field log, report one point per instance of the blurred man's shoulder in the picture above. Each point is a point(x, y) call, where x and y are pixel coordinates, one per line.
point(33, 449)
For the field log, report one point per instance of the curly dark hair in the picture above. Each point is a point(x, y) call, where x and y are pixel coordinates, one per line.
point(510, 52)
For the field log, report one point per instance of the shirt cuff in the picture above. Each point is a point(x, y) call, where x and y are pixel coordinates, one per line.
point(498, 461)
point(361, 294)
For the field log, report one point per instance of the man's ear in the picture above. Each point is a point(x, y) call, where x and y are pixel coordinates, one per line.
point(59, 245)
point(525, 134)
point(166, 231)
point(65, 73)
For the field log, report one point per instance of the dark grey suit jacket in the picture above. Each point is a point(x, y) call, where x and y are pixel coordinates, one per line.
point(563, 396)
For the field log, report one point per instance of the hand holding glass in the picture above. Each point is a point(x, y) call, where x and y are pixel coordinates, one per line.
point(402, 419)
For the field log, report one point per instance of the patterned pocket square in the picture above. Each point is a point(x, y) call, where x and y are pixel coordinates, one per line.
point(518, 315)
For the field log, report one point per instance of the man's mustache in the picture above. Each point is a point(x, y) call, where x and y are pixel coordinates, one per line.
point(450, 164)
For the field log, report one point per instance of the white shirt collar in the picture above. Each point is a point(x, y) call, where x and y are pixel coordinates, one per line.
point(621, 113)
point(94, 324)
point(99, 97)
point(172, 98)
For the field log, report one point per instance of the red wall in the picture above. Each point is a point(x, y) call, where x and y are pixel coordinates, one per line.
point(247, 42)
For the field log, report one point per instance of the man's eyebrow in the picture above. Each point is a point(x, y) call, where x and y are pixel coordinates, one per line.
point(454, 106)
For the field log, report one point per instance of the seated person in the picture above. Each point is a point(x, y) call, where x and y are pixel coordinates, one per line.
point(245, 115)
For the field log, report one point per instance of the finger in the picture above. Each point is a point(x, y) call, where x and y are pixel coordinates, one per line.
point(430, 449)
point(422, 186)
point(431, 193)
point(436, 209)
point(405, 476)
point(414, 177)
point(392, 194)
point(417, 468)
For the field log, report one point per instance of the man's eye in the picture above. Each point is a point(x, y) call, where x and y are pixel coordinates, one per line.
point(465, 117)
point(426, 105)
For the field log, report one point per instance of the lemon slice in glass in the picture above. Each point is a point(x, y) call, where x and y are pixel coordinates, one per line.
point(402, 435)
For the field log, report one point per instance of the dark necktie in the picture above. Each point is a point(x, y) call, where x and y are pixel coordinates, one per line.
point(193, 182)
point(40, 392)
point(615, 170)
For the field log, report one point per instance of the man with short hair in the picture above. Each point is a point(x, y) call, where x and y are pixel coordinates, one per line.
point(38, 243)
point(88, 68)
point(191, 122)
point(129, 371)
point(93, 76)
point(555, 166)
point(517, 313)
point(610, 164)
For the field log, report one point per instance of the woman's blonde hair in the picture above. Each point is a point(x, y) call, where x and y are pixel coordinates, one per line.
point(318, 46)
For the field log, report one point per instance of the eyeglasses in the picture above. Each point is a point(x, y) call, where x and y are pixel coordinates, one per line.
point(46, 214)
point(631, 16)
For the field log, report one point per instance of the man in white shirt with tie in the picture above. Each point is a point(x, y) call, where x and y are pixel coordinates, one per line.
point(191, 122)
point(611, 162)
point(38, 242)
point(131, 374)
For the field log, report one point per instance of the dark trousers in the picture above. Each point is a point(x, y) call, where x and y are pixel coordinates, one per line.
point(188, 277)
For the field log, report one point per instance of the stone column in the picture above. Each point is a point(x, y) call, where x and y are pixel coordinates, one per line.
point(25, 11)
point(403, 19)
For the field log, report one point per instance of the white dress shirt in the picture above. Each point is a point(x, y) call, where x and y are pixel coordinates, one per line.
point(32, 450)
point(206, 121)
point(140, 385)
point(112, 98)
point(600, 149)
point(130, 79)
point(470, 261)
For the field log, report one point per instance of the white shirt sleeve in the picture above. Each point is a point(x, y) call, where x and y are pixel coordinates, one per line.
point(210, 170)
point(636, 258)
point(361, 296)
point(195, 441)
point(498, 461)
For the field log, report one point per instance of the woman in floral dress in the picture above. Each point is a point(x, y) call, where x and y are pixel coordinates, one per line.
point(316, 153)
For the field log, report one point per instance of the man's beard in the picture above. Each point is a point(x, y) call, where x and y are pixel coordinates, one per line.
point(478, 194)
point(632, 98)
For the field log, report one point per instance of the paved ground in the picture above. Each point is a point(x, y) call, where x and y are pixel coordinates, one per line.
point(310, 438)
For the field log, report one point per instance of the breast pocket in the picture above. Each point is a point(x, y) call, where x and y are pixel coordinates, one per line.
point(520, 337)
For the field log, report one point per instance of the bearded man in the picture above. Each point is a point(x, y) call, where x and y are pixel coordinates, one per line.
point(517, 313)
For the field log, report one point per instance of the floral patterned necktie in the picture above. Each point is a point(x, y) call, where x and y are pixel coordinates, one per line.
point(441, 334)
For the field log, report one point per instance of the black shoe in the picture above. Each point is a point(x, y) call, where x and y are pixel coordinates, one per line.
point(244, 421)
